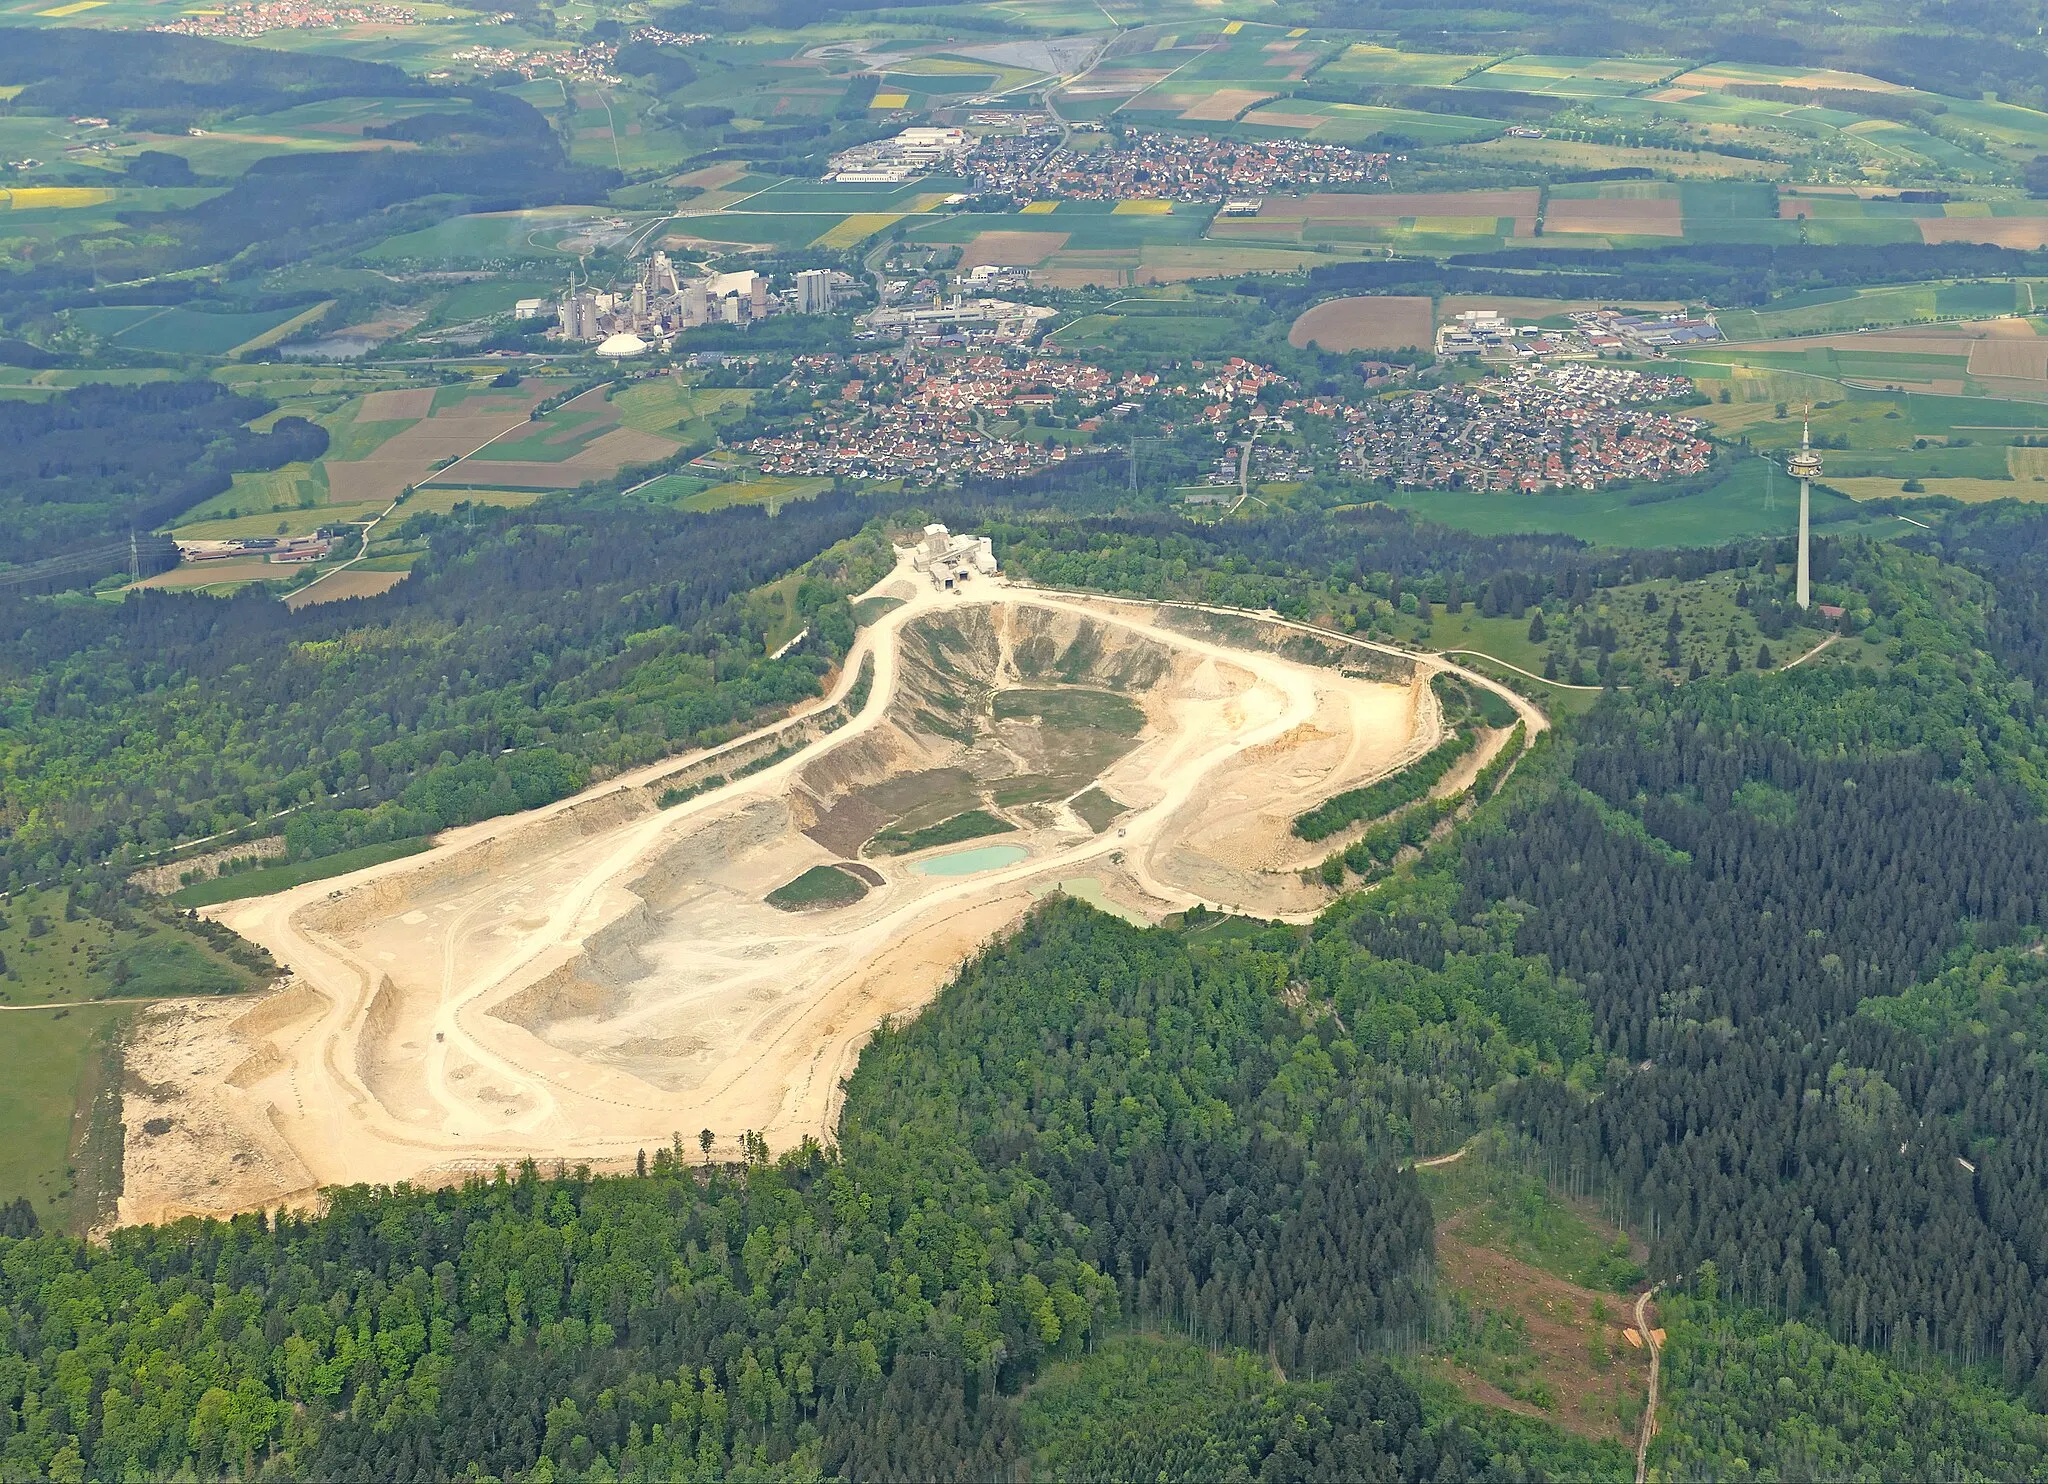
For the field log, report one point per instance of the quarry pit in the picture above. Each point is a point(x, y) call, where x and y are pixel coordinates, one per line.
point(707, 943)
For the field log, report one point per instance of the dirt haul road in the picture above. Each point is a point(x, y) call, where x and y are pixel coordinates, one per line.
point(592, 978)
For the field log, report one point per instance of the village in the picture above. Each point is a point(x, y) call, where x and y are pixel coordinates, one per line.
point(1569, 425)
point(928, 422)
point(243, 22)
point(930, 419)
point(1145, 164)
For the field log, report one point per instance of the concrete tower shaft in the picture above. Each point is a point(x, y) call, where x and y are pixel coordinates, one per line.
point(1805, 467)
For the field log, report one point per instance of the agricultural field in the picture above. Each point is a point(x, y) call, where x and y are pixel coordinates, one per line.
point(1574, 77)
point(1573, 156)
point(1878, 442)
point(1460, 220)
point(1826, 310)
point(1380, 66)
point(1378, 322)
point(1368, 125)
point(1080, 244)
point(559, 234)
point(582, 440)
point(185, 331)
point(449, 444)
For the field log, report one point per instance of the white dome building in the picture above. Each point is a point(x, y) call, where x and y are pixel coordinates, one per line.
point(619, 347)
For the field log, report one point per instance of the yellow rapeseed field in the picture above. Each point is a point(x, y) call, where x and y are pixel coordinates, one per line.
point(26, 198)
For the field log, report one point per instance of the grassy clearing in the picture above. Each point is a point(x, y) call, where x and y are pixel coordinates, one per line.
point(1098, 809)
point(50, 1061)
point(819, 888)
point(1519, 1325)
point(1510, 1212)
point(1072, 734)
point(1749, 502)
point(772, 492)
point(51, 956)
point(1072, 709)
point(973, 825)
point(268, 879)
point(1633, 623)
point(867, 610)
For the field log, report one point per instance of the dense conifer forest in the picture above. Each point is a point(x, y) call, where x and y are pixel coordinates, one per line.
point(107, 460)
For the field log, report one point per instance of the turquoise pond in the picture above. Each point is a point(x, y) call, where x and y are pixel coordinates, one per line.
point(967, 862)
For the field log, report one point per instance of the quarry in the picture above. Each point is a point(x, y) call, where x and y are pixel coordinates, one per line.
point(706, 944)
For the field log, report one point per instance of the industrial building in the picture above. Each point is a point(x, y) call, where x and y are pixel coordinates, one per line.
point(970, 321)
point(951, 560)
point(661, 303)
point(910, 155)
point(814, 291)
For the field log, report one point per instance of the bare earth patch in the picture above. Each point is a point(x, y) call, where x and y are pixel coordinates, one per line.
point(205, 574)
point(1519, 202)
point(1565, 1342)
point(1012, 249)
point(406, 405)
point(1996, 231)
point(1372, 322)
point(1620, 218)
point(353, 583)
point(2010, 356)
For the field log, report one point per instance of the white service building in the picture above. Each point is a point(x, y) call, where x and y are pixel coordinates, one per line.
point(951, 560)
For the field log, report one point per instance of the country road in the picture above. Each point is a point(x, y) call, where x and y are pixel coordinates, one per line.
point(1656, 1357)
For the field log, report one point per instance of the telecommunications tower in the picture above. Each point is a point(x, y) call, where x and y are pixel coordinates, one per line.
point(1804, 466)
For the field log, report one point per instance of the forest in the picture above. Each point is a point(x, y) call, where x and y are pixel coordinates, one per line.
point(452, 698)
point(1726, 274)
point(103, 461)
point(170, 78)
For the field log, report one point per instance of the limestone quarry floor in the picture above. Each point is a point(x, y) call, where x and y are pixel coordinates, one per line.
point(593, 978)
